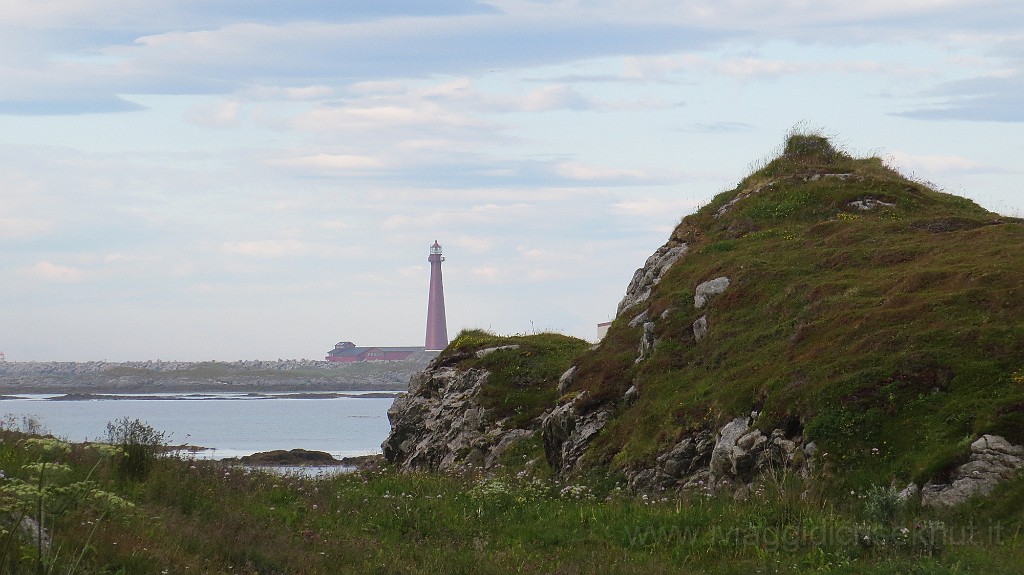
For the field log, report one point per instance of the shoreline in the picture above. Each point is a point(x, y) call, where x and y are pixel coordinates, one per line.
point(160, 377)
point(201, 396)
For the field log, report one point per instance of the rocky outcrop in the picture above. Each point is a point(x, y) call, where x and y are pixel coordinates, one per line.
point(646, 341)
point(290, 457)
point(868, 204)
point(650, 274)
point(488, 351)
point(993, 461)
point(440, 424)
point(705, 290)
point(566, 380)
point(728, 459)
point(567, 433)
point(700, 328)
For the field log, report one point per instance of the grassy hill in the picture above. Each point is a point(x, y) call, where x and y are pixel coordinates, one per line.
point(879, 317)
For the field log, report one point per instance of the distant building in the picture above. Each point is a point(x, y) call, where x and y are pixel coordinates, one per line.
point(602, 329)
point(346, 351)
point(437, 326)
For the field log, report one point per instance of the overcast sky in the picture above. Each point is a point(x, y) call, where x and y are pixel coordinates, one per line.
point(259, 179)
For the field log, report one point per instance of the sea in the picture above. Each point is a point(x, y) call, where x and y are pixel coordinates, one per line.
point(222, 424)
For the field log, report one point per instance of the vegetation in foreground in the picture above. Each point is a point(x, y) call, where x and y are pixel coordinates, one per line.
point(103, 514)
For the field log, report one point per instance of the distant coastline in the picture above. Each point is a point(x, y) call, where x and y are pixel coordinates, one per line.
point(302, 375)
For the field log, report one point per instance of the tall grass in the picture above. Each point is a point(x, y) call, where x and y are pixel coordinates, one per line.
point(190, 516)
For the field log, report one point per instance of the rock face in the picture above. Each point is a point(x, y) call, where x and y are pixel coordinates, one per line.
point(650, 274)
point(568, 430)
point(567, 433)
point(993, 460)
point(700, 328)
point(707, 289)
point(439, 424)
point(728, 459)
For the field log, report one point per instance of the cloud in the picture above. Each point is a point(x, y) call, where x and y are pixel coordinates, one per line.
point(939, 164)
point(489, 274)
point(90, 52)
point(454, 218)
point(267, 249)
point(331, 162)
point(192, 53)
point(555, 97)
point(148, 14)
point(585, 172)
point(982, 99)
point(754, 68)
point(656, 207)
point(412, 271)
point(24, 228)
point(46, 105)
point(50, 272)
point(718, 127)
point(224, 114)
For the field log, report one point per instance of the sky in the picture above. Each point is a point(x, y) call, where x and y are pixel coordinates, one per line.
point(252, 179)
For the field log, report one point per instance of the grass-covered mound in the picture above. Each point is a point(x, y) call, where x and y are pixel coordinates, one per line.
point(524, 370)
point(881, 318)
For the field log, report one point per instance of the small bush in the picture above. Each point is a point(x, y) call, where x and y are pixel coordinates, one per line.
point(881, 503)
point(813, 145)
point(139, 446)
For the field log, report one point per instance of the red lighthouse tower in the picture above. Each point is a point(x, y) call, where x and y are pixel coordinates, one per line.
point(437, 327)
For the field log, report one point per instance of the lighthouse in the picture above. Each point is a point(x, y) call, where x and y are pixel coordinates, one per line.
point(437, 327)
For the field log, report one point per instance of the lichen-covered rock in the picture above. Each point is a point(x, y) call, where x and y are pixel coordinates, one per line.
point(488, 351)
point(439, 424)
point(565, 381)
point(567, 433)
point(700, 328)
point(646, 342)
point(640, 319)
point(650, 274)
point(867, 204)
point(631, 395)
point(707, 289)
point(722, 455)
point(730, 459)
point(993, 461)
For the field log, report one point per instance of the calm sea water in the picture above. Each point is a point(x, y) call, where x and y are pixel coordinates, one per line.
point(230, 425)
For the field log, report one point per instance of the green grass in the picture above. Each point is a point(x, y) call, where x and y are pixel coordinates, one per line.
point(202, 517)
point(523, 381)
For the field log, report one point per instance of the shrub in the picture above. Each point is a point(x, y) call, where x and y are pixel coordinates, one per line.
point(881, 503)
point(139, 446)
